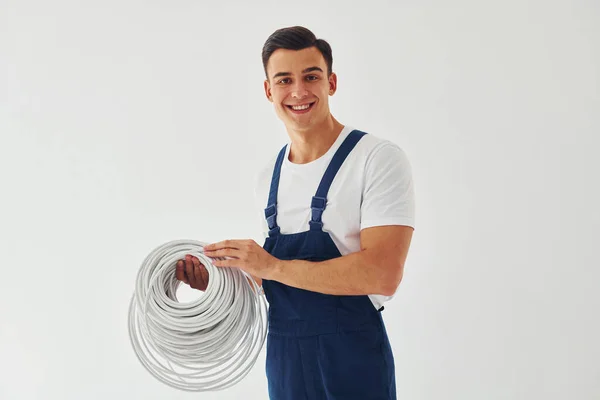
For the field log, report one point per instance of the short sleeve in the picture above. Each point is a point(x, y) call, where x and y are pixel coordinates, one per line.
point(388, 196)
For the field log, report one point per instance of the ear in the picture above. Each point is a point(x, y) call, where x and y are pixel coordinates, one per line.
point(332, 84)
point(267, 86)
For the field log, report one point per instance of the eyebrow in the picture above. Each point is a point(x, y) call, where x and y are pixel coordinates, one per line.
point(305, 71)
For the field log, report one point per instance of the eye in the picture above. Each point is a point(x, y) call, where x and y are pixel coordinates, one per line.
point(312, 77)
point(284, 81)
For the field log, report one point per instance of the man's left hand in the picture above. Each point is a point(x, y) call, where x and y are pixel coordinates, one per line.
point(246, 255)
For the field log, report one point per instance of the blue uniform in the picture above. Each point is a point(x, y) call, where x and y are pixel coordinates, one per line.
point(322, 346)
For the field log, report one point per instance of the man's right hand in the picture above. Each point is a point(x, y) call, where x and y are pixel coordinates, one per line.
point(192, 272)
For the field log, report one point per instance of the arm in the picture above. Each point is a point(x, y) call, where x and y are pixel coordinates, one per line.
point(376, 269)
point(387, 221)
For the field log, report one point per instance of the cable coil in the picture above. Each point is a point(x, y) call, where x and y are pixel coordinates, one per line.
point(208, 344)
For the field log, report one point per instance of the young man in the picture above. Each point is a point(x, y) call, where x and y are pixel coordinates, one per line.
point(339, 218)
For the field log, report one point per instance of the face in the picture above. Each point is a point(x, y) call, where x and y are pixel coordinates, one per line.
point(298, 87)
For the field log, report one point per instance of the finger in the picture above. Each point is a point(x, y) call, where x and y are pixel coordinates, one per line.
point(229, 263)
point(224, 253)
point(225, 244)
point(180, 272)
point(189, 270)
point(204, 274)
point(198, 267)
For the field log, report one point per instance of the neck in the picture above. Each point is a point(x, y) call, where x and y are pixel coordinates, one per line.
point(308, 145)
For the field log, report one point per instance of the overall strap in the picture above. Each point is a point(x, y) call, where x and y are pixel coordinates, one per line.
point(271, 210)
point(319, 201)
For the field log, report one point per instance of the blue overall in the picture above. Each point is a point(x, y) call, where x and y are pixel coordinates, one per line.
point(321, 346)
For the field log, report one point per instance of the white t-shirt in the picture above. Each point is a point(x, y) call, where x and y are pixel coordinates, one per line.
point(373, 187)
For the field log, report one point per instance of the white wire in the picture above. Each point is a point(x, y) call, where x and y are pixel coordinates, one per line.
point(207, 344)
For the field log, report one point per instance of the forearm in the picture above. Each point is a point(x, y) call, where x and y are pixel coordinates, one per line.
point(359, 273)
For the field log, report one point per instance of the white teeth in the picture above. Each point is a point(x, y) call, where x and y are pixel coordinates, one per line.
point(300, 108)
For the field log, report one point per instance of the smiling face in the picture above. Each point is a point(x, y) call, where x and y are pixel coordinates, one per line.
point(299, 88)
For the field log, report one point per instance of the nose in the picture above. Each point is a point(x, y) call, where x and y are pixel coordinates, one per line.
point(298, 90)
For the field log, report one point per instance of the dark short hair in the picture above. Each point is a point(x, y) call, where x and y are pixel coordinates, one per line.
point(295, 38)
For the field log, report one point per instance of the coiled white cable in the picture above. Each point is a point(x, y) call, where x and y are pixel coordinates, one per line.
point(207, 344)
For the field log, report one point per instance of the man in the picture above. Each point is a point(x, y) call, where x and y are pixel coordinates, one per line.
point(339, 218)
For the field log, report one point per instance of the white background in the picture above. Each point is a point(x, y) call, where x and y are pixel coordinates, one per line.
point(126, 124)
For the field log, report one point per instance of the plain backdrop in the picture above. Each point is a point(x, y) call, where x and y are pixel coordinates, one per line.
point(126, 124)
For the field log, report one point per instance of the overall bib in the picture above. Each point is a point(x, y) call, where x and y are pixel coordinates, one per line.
point(321, 346)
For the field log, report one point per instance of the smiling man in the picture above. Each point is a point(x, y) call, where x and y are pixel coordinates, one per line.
point(338, 220)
